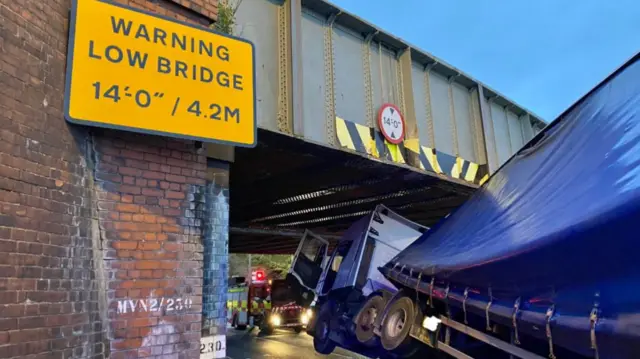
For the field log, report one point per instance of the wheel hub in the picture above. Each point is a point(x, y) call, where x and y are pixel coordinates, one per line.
point(368, 318)
point(396, 323)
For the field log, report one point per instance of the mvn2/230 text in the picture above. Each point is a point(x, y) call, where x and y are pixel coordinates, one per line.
point(153, 305)
point(144, 98)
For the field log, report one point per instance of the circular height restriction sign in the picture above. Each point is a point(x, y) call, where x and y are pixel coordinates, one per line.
point(391, 123)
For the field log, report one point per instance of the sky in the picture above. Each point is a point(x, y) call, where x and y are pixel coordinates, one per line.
point(543, 54)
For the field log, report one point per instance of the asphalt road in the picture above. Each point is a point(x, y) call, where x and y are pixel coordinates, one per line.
point(282, 344)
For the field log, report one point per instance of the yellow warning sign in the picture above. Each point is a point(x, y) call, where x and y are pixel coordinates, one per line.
point(132, 70)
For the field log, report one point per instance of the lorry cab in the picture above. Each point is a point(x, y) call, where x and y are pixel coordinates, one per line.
point(352, 263)
point(337, 281)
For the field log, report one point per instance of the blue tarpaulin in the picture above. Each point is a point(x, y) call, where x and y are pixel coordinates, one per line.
point(556, 225)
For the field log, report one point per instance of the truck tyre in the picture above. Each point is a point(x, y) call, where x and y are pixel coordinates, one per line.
point(237, 326)
point(298, 330)
point(267, 330)
point(396, 324)
point(321, 341)
point(366, 318)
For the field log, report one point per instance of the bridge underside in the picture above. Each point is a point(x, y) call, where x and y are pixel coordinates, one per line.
point(286, 185)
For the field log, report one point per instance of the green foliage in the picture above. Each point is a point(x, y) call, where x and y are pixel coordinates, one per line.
point(226, 16)
point(276, 266)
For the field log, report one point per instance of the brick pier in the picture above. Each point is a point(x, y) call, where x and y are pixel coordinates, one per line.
point(105, 236)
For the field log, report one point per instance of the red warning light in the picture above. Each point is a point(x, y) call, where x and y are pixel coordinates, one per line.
point(260, 275)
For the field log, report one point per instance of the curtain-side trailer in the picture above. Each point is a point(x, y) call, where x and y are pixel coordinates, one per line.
point(542, 261)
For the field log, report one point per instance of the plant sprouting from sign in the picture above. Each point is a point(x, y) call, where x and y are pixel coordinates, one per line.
point(226, 16)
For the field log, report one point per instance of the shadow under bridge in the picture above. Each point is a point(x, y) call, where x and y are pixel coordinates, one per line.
point(286, 185)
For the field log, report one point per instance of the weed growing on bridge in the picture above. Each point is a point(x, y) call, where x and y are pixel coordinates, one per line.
point(226, 16)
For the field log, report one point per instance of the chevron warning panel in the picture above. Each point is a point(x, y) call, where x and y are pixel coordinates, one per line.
point(370, 141)
point(354, 136)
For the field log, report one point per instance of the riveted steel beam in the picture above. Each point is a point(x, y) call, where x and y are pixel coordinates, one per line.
point(427, 89)
point(476, 122)
point(489, 130)
point(329, 79)
point(284, 69)
point(406, 94)
point(368, 78)
point(452, 117)
point(297, 72)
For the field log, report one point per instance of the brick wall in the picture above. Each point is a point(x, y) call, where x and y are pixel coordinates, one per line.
point(91, 221)
point(150, 197)
point(216, 249)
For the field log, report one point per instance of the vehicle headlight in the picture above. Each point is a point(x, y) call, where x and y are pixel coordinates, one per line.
point(276, 320)
point(309, 313)
point(304, 318)
point(431, 323)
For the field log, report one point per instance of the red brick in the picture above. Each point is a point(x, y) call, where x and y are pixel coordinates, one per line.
point(144, 322)
point(129, 189)
point(176, 178)
point(172, 247)
point(168, 228)
point(175, 195)
point(129, 171)
point(168, 265)
point(27, 335)
point(148, 246)
point(153, 175)
point(148, 265)
point(152, 192)
point(124, 245)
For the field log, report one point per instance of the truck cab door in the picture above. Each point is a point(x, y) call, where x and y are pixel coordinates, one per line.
point(309, 263)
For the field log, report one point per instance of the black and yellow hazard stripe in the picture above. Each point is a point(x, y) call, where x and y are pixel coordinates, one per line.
point(354, 136)
point(458, 167)
point(430, 159)
point(363, 139)
point(422, 157)
point(387, 150)
point(367, 140)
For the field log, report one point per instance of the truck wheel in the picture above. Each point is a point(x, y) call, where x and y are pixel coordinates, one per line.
point(321, 342)
point(366, 318)
point(267, 330)
point(397, 324)
point(298, 330)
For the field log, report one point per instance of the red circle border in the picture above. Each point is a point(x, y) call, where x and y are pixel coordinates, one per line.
point(380, 127)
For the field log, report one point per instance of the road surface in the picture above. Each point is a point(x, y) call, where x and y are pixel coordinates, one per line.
point(282, 344)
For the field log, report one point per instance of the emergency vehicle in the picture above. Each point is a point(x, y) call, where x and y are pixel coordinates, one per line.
point(285, 312)
point(248, 301)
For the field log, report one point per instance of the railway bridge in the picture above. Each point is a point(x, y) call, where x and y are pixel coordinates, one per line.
point(326, 83)
point(117, 217)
